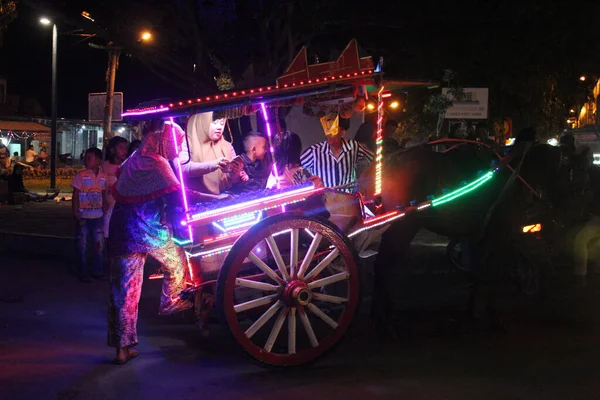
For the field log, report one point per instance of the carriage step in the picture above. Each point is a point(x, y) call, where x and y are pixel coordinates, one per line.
point(367, 253)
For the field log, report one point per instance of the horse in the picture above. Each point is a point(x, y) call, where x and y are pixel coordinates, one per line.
point(486, 215)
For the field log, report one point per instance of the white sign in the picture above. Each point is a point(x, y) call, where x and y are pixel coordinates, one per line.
point(474, 104)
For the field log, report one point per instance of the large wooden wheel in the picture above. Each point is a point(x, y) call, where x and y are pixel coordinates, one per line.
point(283, 302)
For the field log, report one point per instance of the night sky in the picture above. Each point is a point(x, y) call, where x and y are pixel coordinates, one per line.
point(503, 45)
point(25, 59)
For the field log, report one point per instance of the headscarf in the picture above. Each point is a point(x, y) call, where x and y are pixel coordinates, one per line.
point(147, 174)
point(203, 149)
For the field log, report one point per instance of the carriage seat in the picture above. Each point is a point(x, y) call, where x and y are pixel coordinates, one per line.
point(344, 209)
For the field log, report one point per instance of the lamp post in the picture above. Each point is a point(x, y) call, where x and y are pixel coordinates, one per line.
point(46, 21)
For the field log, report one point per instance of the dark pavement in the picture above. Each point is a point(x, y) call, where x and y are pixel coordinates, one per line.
point(53, 334)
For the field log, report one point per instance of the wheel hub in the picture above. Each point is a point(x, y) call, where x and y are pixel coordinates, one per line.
point(296, 293)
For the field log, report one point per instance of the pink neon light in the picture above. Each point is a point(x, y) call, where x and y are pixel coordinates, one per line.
point(271, 149)
point(264, 202)
point(152, 111)
point(183, 196)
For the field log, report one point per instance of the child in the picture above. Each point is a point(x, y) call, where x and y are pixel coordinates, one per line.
point(256, 168)
point(89, 192)
point(116, 153)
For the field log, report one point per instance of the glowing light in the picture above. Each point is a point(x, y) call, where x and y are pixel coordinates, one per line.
point(532, 228)
point(386, 95)
point(371, 106)
point(145, 36)
point(213, 252)
point(464, 190)
point(87, 15)
point(238, 221)
point(394, 104)
point(552, 142)
point(265, 203)
point(379, 140)
point(271, 149)
point(176, 162)
point(181, 242)
point(144, 112)
point(582, 78)
point(45, 21)
point(378, 224)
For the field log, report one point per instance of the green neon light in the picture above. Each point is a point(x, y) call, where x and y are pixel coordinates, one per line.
point(181, 242)
point(464, 190)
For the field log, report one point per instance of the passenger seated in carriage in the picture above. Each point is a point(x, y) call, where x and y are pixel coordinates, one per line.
point(256, 165)
point(336, 159)
point(287, 164)
point(206, 156)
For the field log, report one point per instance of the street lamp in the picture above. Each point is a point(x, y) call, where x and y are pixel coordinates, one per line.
point(46, 21)
point(145, 36)
point(582, 78)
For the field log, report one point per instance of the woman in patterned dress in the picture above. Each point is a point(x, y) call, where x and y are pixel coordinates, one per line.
point(146, 185)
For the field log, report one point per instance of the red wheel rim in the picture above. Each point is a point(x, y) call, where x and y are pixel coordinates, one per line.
point(292, 294)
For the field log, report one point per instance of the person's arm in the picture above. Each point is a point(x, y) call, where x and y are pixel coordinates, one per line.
point(75, 203)
point(364, 153)
point(195, 169)
point(307, 159)
point(76, 184)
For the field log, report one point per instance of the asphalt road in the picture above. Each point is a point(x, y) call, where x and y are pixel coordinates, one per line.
point(53, 334)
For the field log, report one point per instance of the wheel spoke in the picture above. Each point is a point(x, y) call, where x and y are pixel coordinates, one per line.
point(263, 267)
point(293, 251)
point(267, 287)
point(308, 328)
point(329, 280)
point(292, 331)
point(277, 255)
point(329, 299)
point(263, 319)
point(314, 245)
point(317, 311)
point(276, 329)
point(324, 263)
point(255, 303)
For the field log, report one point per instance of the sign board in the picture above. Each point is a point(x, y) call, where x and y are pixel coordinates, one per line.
point(474, 105)
point(96, 103)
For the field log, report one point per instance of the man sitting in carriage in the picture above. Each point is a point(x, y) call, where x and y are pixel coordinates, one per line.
point(335, 160)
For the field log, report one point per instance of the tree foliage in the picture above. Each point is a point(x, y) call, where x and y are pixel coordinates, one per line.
point(8, 13)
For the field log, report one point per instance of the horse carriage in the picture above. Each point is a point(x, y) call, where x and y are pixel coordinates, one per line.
point(284, 274)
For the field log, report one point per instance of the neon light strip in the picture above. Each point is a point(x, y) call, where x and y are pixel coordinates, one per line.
point(464, 190)
point(153, 111)
point(383, 222)
point(384, 216)
point(240, 224)
point(176, 162)
point(263, 201)
point(181, 242)
point(379, 143)
point(271, 148)
point(216, 251)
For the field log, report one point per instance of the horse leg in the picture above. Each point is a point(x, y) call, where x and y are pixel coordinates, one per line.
point(391, 269)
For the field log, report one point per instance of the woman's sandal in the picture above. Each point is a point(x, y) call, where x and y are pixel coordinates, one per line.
point(132, 354)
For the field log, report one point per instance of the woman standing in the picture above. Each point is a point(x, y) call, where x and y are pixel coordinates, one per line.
point(206, 163)
point(146, 185)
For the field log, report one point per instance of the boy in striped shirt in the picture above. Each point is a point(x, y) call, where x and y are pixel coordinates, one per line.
point(89, 201)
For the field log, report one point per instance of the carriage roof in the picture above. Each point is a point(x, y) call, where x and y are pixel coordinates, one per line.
point(334, 80)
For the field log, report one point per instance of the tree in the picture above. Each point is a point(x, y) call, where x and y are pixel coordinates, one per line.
point(8, 13)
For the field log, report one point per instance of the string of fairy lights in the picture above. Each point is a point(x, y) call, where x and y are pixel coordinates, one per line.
point(9, 136)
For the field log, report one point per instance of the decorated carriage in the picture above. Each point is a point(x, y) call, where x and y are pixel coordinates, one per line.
point(284, 273)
